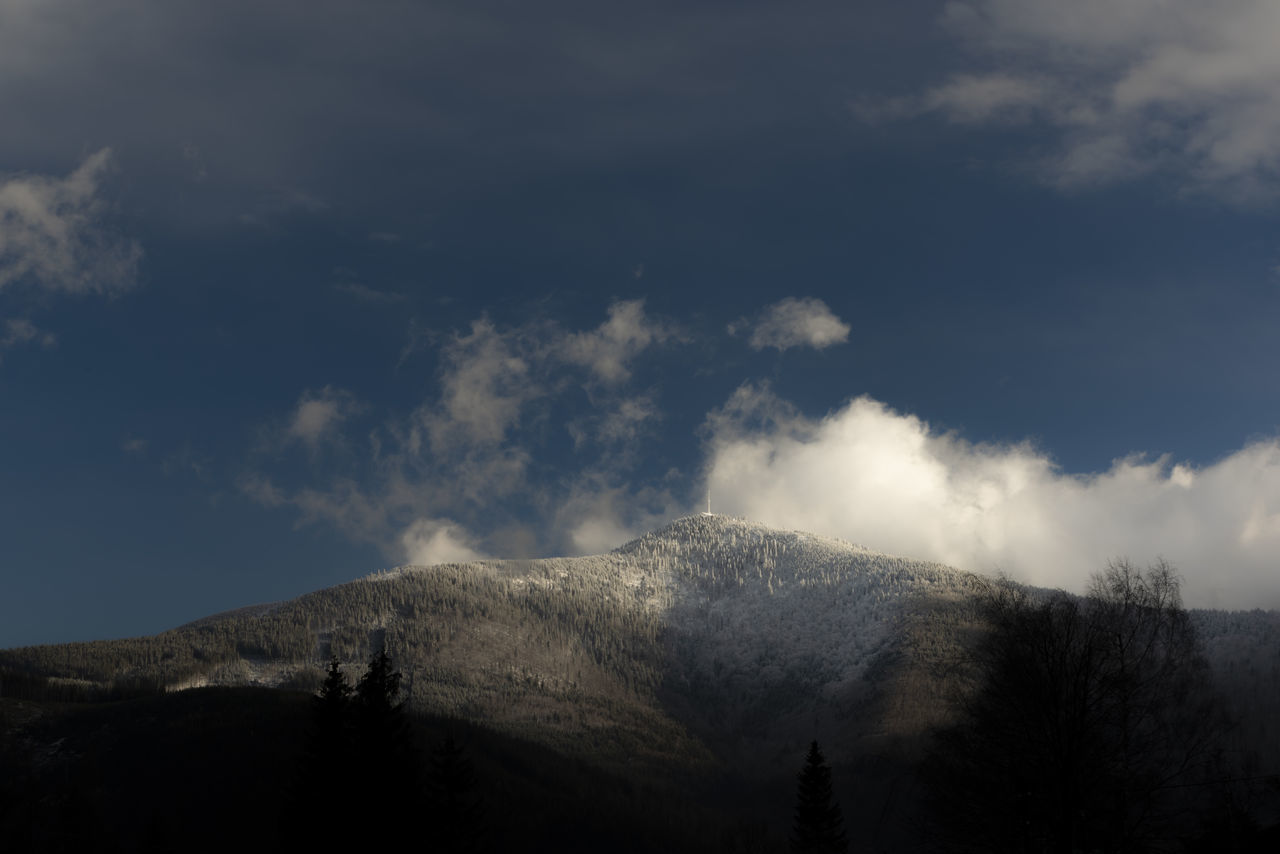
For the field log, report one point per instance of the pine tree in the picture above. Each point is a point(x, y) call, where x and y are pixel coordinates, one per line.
point(328, 762)
point(388, 762)
point(818, 826)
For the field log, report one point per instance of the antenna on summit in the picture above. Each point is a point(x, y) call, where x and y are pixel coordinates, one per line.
point(708, 513)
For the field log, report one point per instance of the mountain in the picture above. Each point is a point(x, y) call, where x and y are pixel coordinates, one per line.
point(711, 632)
point(714, 645)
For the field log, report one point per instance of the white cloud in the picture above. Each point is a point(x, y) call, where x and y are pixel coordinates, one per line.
point(626, 420)
point(889, 481)
point(600, 512)
point(53, 236)
point(486, 379)
point(466, 452)
point(431, 541)
point(607, 350)
point(1179, 85)
point(317, 416)
point(793, 322)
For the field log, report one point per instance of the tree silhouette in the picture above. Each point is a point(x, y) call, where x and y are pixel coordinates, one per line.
point(328, 762)
point(1090, 725)
point(359, 754)
point(387, 761)
point(818, 825)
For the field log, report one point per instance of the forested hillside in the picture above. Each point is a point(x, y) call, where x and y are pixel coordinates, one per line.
point(713, 646)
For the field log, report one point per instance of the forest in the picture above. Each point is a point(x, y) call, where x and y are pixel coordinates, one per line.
point(686, 674)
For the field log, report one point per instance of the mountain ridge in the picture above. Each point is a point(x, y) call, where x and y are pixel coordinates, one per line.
point(711, 635)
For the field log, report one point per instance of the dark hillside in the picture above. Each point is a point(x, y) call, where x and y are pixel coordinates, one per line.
point(210, 770)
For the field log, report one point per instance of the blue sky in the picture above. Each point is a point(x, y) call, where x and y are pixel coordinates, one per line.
point(292, 292)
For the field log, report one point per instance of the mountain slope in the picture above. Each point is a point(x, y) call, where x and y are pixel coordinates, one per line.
point(711, 637)
point(710, 629)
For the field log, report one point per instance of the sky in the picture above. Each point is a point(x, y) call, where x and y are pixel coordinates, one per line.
point(293, 292)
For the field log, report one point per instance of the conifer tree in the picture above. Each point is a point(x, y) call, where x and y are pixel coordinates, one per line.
point(388, 762)
point(818, 825)
point(328, 762)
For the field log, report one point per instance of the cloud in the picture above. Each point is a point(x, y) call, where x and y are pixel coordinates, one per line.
point(368, 294)
point(607, 349)
point(487, 378)
point(601, 511)
point(467, 457)
point(1127, 87)
point(431, 541)
point(134, 445)
point(888, 480)
point(793, 322)
point(282, 203)
point(53, 233)
point(318, 415)
point(19, 331)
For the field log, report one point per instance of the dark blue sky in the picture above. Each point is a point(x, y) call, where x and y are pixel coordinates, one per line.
point(289, 295)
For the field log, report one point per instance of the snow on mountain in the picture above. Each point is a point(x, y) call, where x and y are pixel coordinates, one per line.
point(712, 625)
point(773, 632)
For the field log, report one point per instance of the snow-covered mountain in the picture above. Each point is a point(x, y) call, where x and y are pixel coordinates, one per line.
point(711, 637)
point(707, 633)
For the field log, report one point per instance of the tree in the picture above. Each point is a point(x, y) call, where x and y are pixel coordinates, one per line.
point(359, 754)
point(1089, 724)
point(818, 824)
point(328, 762)
point(387, 759)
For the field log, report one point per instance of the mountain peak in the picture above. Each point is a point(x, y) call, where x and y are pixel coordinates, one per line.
point(702, 531)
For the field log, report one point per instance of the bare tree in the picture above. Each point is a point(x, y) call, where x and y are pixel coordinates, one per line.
point(1089, 723)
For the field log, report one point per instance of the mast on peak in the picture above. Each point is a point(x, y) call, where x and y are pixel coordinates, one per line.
point(708, 513)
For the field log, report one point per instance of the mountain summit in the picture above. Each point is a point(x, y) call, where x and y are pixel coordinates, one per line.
point(711, 629)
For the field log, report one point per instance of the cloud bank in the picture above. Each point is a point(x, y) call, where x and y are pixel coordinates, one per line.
point(53, 234)
point(891, 482)
point(1128, 87)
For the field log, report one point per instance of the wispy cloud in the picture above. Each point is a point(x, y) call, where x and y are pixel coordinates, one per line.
point(1127, 86)
point(19, 331)
point(319, 415)
point(461, 461)
point(794, 322)
point(888, 480)
point(54, 234)
point(608, 349)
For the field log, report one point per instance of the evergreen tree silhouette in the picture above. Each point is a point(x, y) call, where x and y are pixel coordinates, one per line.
point(387, 761)
point(328, 763)
point(818, 826)
point(359, 756)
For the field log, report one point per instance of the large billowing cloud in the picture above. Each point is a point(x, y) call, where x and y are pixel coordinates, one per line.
point(53, 237)
point(889, 481)
point(1128, 86)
